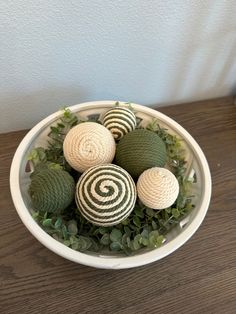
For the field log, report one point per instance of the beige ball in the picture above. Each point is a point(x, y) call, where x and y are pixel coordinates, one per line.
point(157, 188)
point(88, 144)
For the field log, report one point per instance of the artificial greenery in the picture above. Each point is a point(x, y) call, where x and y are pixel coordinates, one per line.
point(54, 152)
point(144, 228)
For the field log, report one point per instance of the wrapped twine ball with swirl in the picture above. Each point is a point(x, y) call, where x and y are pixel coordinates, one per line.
point(140, 150)
point(157, 188)
point(51, 190)
point(119, 121)
point(105, 195)
point(88, 144)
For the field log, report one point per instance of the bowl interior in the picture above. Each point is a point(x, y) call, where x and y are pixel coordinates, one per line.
point(195, 169)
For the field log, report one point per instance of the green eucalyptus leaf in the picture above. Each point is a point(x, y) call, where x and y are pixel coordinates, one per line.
point(37, 155)
point(102, 230)
point(145, 241)
point(124, 240)
point(125, 222)
point(159, 240)
point(133, 227)
point(64, 232)
point(115, 246)
point(150, 212)
point(139, 212)
point(75, 245)
point(35, 215)
point(127, 231)
point(135, 245)
point(154, 225)
point(128, 241)
point(84, 243)
point(66, 242)
point(47, 222)
point(72, 227)
point(115, 235)
point(72, 239)
point(58, 223)
point(154, 233)
point(55, 166)
point(138, 238)
point(155, 240)
point(166, 215)
point(105, 239)
point(145, 233)
point(175, 212)
point(168, 210)
point(136, 221)
point(94, 246)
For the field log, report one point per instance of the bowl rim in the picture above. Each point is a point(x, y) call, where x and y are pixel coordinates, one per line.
point(101, 261)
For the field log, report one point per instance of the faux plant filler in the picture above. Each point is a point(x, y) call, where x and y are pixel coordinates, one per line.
point(105, 211)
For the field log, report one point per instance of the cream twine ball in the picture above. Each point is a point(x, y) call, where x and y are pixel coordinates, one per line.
point(157, 188)
point(88, 144)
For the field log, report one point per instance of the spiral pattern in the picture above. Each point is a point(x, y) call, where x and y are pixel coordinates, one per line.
point(157, 188)
point(88, 144)
point(105, 195)
point(119, 121)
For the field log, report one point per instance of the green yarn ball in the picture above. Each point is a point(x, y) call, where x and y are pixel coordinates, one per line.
point(140, 150)
point(51, 190)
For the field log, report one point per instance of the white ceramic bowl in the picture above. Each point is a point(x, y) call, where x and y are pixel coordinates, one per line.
point(196, 165)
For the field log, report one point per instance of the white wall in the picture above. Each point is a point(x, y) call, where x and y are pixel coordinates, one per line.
point(57, 52)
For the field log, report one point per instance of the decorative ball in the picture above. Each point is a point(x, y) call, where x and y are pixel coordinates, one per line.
point(105, 195)
point(157, 188)
point(51, 190)
point(88, 144)
point(119, 121)
point(140, 150)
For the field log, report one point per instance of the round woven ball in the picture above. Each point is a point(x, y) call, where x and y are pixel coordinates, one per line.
point(157, 188)
point(88, 144)
point(51, 190)
point(140, 150)
point(119, 121)
point(105, 195)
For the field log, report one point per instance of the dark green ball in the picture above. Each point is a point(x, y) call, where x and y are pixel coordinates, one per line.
point(51, 190)
point(140, 150)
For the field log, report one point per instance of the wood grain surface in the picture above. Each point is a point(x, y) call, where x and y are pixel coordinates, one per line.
point(200, 277)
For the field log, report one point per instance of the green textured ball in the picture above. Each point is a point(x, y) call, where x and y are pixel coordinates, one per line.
point(51, 190)
point(140, 150)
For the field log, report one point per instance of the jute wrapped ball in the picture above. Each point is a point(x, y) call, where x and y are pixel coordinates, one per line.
point(157, 188)
point(88, 144)
point(119, 121)
point(140, 150)
point(51, 190)
point(105, 195)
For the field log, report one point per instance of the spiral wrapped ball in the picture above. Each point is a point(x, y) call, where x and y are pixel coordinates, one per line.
point(88, 144)
point(105, 195)
point(119, 121)
point(157, 188)
point(51, 190)
point(140, 150)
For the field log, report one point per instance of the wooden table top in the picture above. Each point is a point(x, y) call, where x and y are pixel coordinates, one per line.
point(200, 277)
